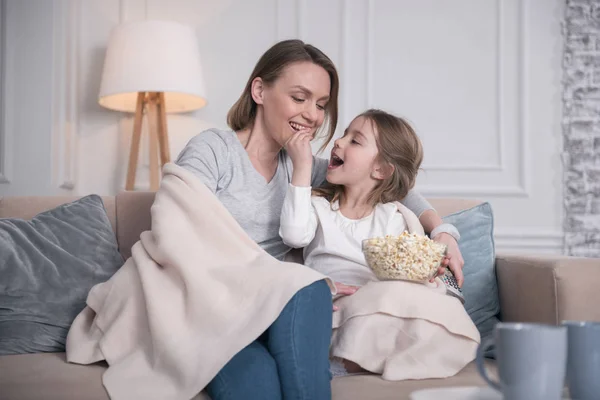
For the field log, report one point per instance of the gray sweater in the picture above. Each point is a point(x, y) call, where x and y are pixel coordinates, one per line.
point(220, 161)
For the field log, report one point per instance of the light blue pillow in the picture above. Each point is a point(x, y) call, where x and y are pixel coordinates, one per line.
point(47, 266)
point(480, 288)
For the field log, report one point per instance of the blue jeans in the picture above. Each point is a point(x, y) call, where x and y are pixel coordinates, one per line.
point(290, 360)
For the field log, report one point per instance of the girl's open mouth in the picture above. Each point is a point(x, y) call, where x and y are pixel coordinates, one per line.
point(335, 162)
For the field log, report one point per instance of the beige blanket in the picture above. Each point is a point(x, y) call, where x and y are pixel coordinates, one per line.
point(196, 290)
point(404, 330)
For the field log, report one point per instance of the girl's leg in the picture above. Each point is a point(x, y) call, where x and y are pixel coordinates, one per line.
point(250, 375)
point(299, 342)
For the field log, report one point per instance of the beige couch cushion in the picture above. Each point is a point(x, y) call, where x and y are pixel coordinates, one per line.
point(47, 376)
point(372, 387)
point(548, 288)
point(133, 218)
point(28, 207)
point(447, 206)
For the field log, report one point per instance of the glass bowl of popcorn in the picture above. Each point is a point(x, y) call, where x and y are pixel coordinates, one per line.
point(404, 257)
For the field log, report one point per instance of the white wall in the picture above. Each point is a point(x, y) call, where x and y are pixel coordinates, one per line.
point(26, 97)
point(479, 79)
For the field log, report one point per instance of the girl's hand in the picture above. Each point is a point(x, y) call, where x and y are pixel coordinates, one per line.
point(345, 290)
point(298, 147)
point(299, 150)
point(453, 259)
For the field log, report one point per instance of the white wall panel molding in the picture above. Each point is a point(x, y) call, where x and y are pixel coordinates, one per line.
point(6, 129)
point(507, 171)
point(529, 241)
point(65, 107)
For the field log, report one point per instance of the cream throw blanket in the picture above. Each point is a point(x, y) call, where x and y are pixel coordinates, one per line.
point(404, 330)
point(195, 291)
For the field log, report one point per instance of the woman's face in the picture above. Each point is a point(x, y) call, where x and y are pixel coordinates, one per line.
point(295, 102)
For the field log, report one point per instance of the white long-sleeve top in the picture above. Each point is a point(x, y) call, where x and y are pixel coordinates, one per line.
point(333, 243)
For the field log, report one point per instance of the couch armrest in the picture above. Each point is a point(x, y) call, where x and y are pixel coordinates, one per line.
point(548, 289)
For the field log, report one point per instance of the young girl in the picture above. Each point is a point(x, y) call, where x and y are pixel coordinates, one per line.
point(372, 165)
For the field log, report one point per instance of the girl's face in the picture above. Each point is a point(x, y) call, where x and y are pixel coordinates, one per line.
point(354, 158)
point(295, 102)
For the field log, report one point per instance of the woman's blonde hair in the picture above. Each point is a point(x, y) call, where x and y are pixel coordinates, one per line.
point(399, 147)
point(269, 67)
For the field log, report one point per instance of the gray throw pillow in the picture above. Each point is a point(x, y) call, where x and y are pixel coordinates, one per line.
point(480, 288)
point(47, 267)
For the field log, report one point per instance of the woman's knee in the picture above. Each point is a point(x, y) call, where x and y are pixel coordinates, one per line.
point(317, 292)
point(309, 308)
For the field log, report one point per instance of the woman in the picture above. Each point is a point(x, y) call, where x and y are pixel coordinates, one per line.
point(293, 90)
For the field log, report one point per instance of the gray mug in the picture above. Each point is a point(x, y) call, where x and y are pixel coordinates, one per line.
point(531, 360)
point(583, 359)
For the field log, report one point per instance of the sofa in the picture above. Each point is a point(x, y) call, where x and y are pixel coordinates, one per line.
point(544, 289)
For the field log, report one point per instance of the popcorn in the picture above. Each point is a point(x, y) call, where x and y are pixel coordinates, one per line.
point(408, 256)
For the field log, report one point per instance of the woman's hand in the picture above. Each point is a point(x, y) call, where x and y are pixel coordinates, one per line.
point(299, 150)
point(453, 259)
point(345, 290)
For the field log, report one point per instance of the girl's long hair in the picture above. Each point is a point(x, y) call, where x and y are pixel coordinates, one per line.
point(399, 147)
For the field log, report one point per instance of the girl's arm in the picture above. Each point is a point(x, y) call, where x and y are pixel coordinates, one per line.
point(298, 222)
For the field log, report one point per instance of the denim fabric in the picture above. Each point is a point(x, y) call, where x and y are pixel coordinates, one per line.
point(290, 360)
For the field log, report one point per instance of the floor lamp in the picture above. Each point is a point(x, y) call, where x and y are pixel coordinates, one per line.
point(152, 68)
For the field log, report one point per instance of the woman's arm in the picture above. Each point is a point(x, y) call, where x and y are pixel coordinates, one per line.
point(420, 206)
point(298, 222)
point(430, 220)
point(202, 155)
point(440, 231)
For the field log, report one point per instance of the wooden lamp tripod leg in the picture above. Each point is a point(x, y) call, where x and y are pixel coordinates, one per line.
point(135, 141)
point(163, 136)
point(153, 125)
point(154, 103)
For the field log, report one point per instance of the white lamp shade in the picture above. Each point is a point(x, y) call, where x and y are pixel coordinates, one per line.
point(153, 56)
